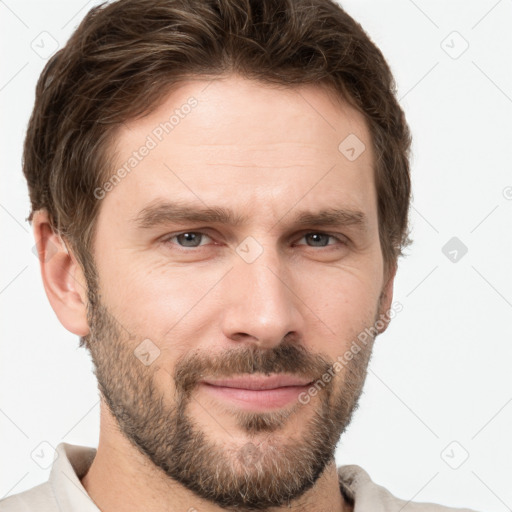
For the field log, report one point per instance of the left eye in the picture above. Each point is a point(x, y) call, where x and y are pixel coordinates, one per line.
point(320, 239)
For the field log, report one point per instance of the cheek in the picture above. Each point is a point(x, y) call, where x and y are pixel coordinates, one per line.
point(345, 303)
point(162, 302)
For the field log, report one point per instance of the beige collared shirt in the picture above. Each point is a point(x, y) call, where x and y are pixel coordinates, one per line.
point(63, 492)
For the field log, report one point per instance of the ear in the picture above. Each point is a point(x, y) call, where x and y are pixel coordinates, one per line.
point(386, 297)
point(63, 278)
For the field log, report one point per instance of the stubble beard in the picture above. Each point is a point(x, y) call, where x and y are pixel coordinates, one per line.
point(268, 469)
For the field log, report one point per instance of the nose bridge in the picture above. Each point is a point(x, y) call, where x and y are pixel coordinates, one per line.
point(261, 307)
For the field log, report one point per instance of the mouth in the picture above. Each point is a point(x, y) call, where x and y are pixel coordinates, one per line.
point(256, 392)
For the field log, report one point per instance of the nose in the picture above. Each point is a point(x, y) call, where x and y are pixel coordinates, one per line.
point(261, 306)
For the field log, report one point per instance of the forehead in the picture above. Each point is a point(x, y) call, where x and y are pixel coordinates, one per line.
point(243, 143)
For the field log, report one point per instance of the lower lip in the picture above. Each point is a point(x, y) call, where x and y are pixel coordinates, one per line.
point(257, 399)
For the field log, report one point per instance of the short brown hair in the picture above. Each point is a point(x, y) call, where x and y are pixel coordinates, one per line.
point(125, 56)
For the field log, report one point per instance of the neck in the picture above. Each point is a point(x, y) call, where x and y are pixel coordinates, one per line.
point(121, 478)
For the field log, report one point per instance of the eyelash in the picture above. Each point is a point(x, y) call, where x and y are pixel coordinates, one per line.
point(167, 239)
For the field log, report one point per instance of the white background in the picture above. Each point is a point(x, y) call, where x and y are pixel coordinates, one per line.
point(441, 373)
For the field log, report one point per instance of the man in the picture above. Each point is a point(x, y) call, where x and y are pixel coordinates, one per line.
point(220, 193)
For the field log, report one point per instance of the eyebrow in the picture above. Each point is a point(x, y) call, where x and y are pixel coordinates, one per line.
point(159, 213)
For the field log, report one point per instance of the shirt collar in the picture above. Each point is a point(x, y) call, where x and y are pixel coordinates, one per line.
point(71, 464)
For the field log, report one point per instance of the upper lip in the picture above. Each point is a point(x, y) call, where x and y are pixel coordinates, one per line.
point(259, 382)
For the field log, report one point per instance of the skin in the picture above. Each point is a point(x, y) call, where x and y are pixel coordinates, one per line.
point(267, 153)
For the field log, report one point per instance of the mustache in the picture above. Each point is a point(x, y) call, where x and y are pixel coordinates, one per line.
point(284, 358)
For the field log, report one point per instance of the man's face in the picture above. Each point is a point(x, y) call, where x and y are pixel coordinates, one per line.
point(274, 288)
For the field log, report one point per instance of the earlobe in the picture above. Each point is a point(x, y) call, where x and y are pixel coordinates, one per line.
point(62, 276)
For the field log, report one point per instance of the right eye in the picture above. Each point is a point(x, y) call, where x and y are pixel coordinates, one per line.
point(190, 239)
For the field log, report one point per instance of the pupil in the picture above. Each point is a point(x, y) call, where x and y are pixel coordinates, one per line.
point(316, 237)
point(190, 237)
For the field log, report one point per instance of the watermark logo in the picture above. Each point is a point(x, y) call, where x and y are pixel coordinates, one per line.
point(455, 455)
point(44, 454)
point(454, 249)
point(249, 249)
point(147, 352)
point(351, 147)
point(249, 454)
point(45, 45)
point(454, 45)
